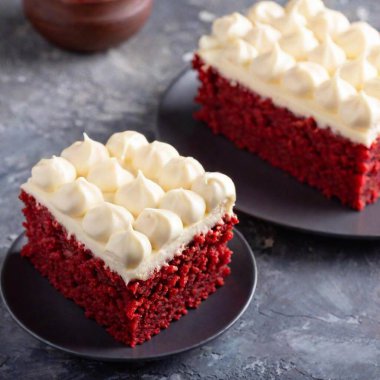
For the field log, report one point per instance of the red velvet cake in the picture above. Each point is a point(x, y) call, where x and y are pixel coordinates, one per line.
point(299, 86)
point(130, 231)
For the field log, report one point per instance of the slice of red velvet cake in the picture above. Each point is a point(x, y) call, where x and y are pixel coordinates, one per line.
point(132, 232)
point(300, 87)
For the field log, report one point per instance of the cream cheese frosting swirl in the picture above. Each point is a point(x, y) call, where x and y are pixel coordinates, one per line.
point(214, 188)
point(139, 194)
point(84, 154)
point(265, 11)
point(124, 145)
point(129, 247)
point(187, 204)
point(51, 173)
point(160, 226)
point(150, 159)
point(180, 172)
point(101, 221)
point(108, 175)
point(75, 198)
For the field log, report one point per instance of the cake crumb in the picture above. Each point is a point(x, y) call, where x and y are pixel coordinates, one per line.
point(206, 16)
point(268, 243)
point(362, 13)
point(187, 57)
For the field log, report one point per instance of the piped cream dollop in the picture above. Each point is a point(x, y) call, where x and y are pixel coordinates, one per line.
point(307, 8)
point(303, 78)
point(265, 12)
point(51, 173)
point(357, 72)
point(361, 111)
point(262, 37)
point(187, 204)
point(209, 43)
point(358, 39)
point(231, 26)
point(139, 194)
point(289, 23)
point(124, 145)
point(299, 43)
point(75, 198)
point(129, 247)
point(331, 93)
point(215, 188)
point(374, 56)
point(239, 51)
point(180, 172)
point(272, 65)
point(372, 87)
point(150, 159)
point(108, 175)
point(160, 226)
point(84, 154)
point(328, 54)
point(328, 23)
point(101, 221)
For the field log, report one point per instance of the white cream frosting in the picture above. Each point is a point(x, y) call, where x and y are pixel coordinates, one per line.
point(374, 56)
point(151, 158)
point(265, 11)
point(215, 188)
point(328, 23)
point(299, 43)
point(359, 38)
point(304, 77)
point(328, 54)
point(160, 226)
point(289, 23)
point(52, 173)
point(180, 172)
point(239, 51)
point(123, 145)
point(231, 27)
point(372, 87)
point(101, 221)
point(273, 64)
point(187, 204)
point(357, 72)
point(262, 37)
point(361, 110)
point(307, 8)
point(139, 194)
point(334, 92)
point(108, 175)
point(76, 197)
point(164, 222)
point(129, 248)
point(83, 154)
point(347, 55)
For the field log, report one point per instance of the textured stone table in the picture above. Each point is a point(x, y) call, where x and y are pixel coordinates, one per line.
point(316, 312)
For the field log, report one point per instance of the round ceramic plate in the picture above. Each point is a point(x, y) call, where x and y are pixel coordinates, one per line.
point(48, 316)
point(263, 191)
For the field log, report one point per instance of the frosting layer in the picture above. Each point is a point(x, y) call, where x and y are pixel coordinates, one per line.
point(297, 54)
point(133, 223)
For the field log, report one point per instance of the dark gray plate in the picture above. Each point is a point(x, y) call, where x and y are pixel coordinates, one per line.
point(262, 190)
point(48, 316)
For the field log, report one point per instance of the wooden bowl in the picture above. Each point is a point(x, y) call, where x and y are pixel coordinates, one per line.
point(87, 25)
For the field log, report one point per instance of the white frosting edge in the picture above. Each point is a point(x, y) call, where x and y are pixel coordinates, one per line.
point(301, 107)
point(156, 260)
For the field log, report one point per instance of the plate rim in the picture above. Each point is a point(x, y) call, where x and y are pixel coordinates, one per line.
point(290, 226)
point(253, 262)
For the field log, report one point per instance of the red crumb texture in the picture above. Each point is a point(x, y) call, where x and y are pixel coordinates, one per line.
point(135, 312)
point(316, 156)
